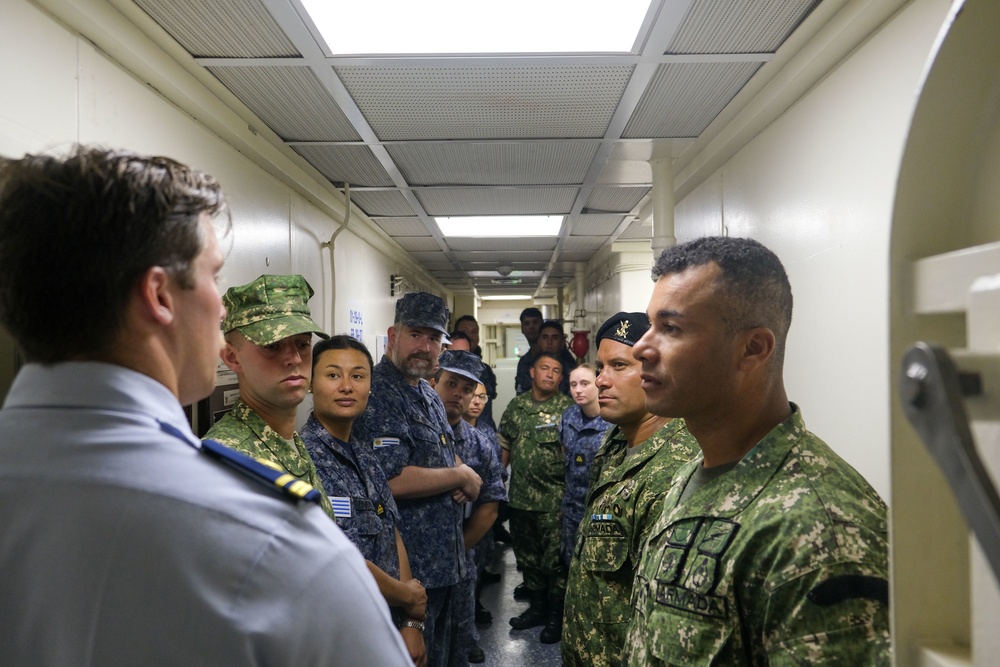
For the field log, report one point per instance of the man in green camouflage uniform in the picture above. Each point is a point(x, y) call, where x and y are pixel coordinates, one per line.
point(770, 550)
point(529, 442)
point(630, 475)
point(269, 332)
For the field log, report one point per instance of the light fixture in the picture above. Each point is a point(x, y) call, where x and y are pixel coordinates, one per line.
point(505, 270)
point(500, 226)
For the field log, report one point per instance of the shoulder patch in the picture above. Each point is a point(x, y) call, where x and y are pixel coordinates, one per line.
point(378, 443)
point(263, 471)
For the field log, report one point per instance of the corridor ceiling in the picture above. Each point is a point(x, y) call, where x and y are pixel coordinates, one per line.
point(418, 137)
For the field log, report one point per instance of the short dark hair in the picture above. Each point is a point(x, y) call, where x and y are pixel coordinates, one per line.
point(753, 283)
point(459, 335)
point(551, 324)
point(530, 312)
point(341, 342)
point(76, 233)
point(464, 318)
point(542, 355)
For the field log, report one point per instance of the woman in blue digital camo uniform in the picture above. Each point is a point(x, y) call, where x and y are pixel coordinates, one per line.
point(357, 487)
point(580, 433)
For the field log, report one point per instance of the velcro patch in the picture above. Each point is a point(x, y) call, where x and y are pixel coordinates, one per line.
point(341, 506)
point(378, 443)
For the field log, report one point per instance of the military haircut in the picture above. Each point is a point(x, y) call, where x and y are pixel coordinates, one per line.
point(341, 342)
point(530, 312)
point(77, 232)
point(548, 355)
point(552, 324)
point(753, 283)
point(460, 335)
point(464, 318)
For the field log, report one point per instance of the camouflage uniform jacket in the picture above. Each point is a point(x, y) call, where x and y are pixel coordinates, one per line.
point(781, 561)
point(359, 494)
point(623, 503)
point(531, 432)
point(478, 453)
point(580, 440)
point(522, 379)
point(244, 430)
point(407, 426)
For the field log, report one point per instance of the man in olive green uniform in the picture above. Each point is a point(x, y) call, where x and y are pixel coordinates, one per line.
point(630, 475)
point(269, 332)
point(770, 549)
point(529, 441)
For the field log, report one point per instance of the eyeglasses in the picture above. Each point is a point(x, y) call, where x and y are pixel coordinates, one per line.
point(480, 397)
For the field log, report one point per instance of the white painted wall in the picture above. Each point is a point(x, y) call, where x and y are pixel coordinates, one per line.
point(72, 92)
point(817, 188)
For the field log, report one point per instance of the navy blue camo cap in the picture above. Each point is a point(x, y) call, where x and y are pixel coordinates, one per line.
point(462, 363)
point(420, 309)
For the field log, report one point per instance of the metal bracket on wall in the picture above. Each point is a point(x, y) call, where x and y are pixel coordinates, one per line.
point(932, 390)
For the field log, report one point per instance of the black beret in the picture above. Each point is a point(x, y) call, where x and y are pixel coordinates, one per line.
point(624, 327)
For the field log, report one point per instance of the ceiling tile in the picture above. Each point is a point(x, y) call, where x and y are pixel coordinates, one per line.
point(724, 26)
point(588, 243)
point(346, 164)
point(417, 243)
point(388, 203)
point(221, 28)
point(518, 102)
point(615, 199)
point(497, 201)
point(401, 226)
point(597, 224)
point(509, 244)
point(290, 100)
point(513, 163)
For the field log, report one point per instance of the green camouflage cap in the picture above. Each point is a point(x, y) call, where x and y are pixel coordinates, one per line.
point(461, 363)
point(270, 309)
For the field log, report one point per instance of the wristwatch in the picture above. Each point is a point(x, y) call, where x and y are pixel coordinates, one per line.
point(416, 625)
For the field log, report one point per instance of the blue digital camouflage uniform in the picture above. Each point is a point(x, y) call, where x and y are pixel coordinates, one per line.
point(580, 438)
point(359, 494)
point(244, 430)
point(522, 380)
point(537, 483)
point(479, 454)
point(407, 426)
point(781, 561)
point(626, 493)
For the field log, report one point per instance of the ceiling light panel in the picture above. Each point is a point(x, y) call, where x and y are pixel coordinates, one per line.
point(428, 103)
point(221, 28)
point(446, 202)
point(355, 165)
point(615, 199)
point(682, 99)
point(382, 203)
point(513, 163)
point(497, 258)
point(724, 26)
point(290, 100)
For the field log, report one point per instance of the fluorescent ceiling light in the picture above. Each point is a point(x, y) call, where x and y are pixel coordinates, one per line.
point(500, 225)
point(464, 26)
point(505, 297)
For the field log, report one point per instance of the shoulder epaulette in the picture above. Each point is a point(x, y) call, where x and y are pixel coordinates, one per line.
point(263, 471)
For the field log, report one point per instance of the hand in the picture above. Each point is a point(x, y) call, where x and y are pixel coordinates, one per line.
point(416, 606)
point(414, 640)
point(471, 482)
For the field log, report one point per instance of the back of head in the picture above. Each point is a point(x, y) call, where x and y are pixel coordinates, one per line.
point(76, 233)
point(753, 283)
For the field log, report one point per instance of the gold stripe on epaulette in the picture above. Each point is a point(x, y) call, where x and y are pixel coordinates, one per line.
point(270, 464)
point(284, 480)
point(299, 488)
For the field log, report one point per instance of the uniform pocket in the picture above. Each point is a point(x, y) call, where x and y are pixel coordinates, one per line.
point(604, 547)
point(686, 640)
point(366, 519)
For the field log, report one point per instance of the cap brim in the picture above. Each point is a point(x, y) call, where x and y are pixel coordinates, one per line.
point(272, 330)
point(463, 373)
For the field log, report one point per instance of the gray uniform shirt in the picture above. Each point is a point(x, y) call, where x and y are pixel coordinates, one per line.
point(121, 544)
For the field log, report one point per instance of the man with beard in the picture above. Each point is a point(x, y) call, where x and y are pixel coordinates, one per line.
point(269, 334)
point(529, 441)
point(406, 425)
point(631, 472)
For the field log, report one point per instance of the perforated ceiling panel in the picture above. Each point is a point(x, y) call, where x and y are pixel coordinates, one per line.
point(615, 199)
point(724, 26)
point(596, 225)
point(382, 203)
point(417, 243)
point(542, 163)
point(346, 164)
point(401, 226)
point(682, 99)
point(518, 258)
point(221, 28)
point(424, 103)
point(587, 243)
point(504, 244)
point(637, 230)
point(290, 100)
point(500, 201)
